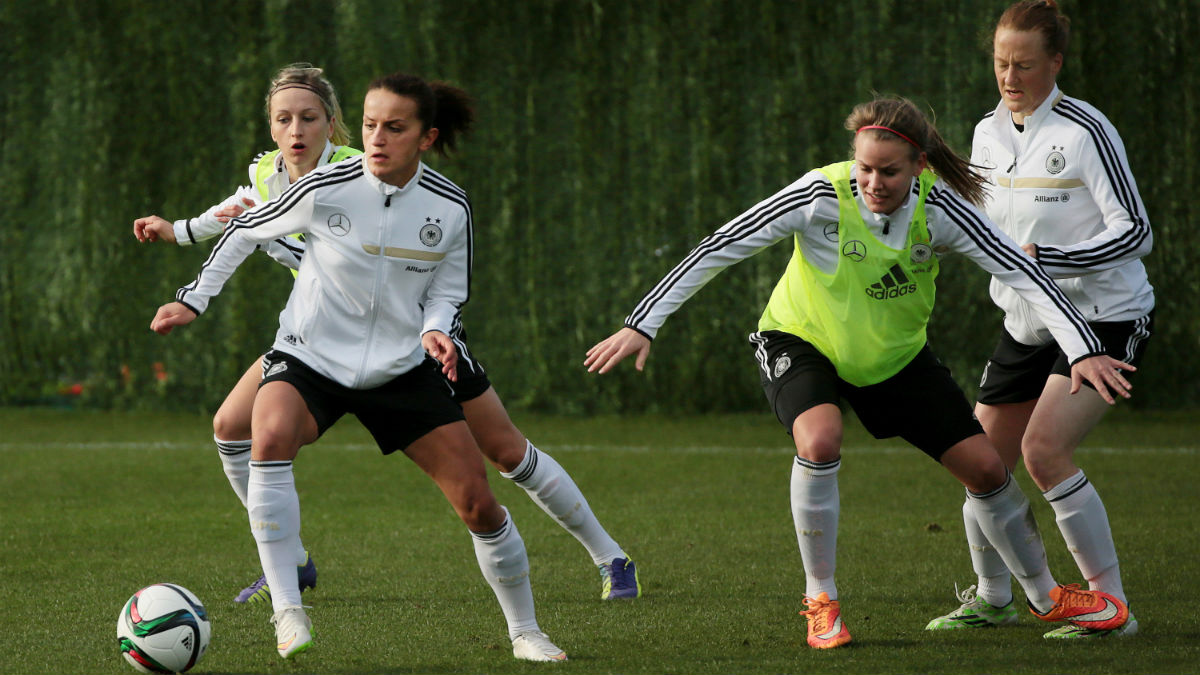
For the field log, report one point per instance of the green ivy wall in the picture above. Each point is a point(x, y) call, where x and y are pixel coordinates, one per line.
point(611, 136)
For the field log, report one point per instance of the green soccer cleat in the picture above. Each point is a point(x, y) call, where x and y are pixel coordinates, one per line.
point(1073, 632)
point(975, 612)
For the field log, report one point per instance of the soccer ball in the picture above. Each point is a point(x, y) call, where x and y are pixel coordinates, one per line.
point(163, 629)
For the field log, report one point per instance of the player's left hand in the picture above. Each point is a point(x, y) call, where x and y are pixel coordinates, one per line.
point(170, 315)
point(439, 345)
point(1104, 372)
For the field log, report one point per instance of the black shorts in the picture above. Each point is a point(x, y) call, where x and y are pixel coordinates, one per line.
point(921, 404)
point(396, 413)
point(472, 378)
point(1017, 372)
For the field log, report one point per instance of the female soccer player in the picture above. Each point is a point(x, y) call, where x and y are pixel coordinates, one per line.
point(1060, 185)
point(847, 320)
point(385, 273)
point(306, 125)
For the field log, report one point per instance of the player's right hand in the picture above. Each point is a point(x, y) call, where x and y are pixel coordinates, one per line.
point(153, 228)
point(606, 354)
point(170, 315)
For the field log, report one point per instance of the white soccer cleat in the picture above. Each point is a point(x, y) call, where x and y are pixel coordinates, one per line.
point(293, 631)
point(535, 646)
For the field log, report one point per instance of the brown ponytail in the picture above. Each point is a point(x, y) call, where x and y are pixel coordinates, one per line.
point(440, 105)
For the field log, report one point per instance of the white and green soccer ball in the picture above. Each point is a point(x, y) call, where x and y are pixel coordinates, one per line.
point(163, 629)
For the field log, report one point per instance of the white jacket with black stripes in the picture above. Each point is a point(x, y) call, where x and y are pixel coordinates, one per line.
point(383, 266)
point(1064, 184)
point(808, 209)
point(189, 231)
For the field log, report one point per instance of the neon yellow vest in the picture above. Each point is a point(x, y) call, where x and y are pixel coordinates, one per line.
point(266, 167)
point(869, 316)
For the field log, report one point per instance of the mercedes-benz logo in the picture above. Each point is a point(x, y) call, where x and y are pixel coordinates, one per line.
point(339, 224)
point(854, 250)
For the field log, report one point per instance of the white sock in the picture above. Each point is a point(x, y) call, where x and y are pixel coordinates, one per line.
point(1007, 521)
point(815, 510)
point(235, 458)
point(505, 566)
point(1084, 526)
point(274, 509)
point(551, 488)
point(995, 582)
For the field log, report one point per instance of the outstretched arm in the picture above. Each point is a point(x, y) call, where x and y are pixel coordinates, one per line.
point(612, 350)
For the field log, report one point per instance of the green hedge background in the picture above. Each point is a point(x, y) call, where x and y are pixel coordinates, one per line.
point(612, 136)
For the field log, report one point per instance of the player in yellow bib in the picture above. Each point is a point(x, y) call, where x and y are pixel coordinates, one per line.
point(847, 322)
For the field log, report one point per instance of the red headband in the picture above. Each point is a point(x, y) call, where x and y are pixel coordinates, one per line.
point(877, 126)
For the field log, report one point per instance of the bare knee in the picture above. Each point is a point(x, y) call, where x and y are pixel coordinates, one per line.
point(976, 464)
point(823, 448)
point(231, 425)
point(478, 509)
point(817, 433)
point(275, 443)
point(504, 447)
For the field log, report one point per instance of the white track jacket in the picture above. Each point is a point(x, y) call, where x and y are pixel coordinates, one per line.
point(189, 231)
point(383, 266)
point(1064, 184)
point(808, 209)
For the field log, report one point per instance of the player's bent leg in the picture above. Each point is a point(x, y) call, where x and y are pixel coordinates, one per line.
point(1005, 424)
point(281, 424)
point(550, 487)
point(231, 432)
point(231, 429)
point(1004, 515)
point(449, 456)
point(1058, 426)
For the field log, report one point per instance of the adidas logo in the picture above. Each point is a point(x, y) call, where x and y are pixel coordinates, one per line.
point(893, 284)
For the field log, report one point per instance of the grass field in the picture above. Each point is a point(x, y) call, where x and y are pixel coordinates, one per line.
point(94, 506)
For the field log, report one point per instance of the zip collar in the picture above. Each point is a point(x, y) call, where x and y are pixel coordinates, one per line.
point(1002, 119)
point(387, 189)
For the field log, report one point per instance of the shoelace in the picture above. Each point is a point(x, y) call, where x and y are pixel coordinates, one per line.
point(817, 612)
point(257, 585)
point(967, 596)
point(1071, 596)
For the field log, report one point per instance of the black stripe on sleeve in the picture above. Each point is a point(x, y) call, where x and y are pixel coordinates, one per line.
point(987, 240)
point(736, 230)
point(276, 208)
point(1121, 178)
